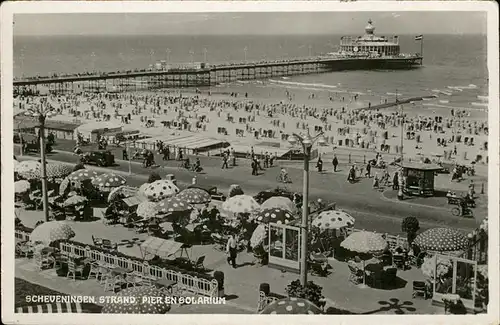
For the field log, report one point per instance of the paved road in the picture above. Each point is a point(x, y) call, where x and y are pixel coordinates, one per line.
point(371, 210)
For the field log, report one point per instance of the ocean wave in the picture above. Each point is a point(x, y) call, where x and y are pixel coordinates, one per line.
point(448, 93)
point(483, 98)
point(444, 101)
point(479, 104)
point(305, 84)
point(394, 94)
point(448, 107)
point(461, 88)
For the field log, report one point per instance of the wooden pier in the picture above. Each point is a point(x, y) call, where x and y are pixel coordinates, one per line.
point(210, 75)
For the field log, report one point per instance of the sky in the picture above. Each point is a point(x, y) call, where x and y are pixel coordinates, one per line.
point(294, 23)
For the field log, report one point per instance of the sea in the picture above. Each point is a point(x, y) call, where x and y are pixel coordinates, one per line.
point(454, 67)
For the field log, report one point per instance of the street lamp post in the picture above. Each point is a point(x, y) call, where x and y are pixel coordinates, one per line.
point(307, 143)
point(42, 112)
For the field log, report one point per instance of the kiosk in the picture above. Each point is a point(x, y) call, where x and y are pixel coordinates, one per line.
point(284, 247)
point(419, 178)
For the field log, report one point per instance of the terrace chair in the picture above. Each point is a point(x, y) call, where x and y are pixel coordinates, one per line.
point(107, 244)
point(74, 269)
point(389, 276)
point(134, 279)
point(198, 265)
point(318, 269)
point(42, 260)
point(97, 241)
point(95, 270)
point(24, 249)
point(399, 261)
point(419, 289)
point(113, 282)
point(356, 275)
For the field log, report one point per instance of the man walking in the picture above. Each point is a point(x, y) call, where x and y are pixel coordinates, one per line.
point(231, 250)
point(125, 154)
point(224, 161)
point(335, 163)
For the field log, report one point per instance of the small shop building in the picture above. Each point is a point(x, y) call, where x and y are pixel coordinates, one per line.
point(419, 178)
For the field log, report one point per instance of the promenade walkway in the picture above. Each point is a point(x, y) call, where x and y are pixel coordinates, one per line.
point(241, 284)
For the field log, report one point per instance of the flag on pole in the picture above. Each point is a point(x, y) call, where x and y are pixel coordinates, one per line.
point(419, 37)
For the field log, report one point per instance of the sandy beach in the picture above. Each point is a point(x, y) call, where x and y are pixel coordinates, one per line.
point(244, 119)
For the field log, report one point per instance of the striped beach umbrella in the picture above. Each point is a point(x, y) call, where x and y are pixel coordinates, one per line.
point(275, 215)
point(51, 231)
point(333, 220)
point(21, 186)
point(108, 181)
point(133, 302)
point(441, 240)
point(161, 189)
point(173, 204)
point(58, 170)
point(279, 202)
point(240, 204)
point(194, 196)
point(51, 308)
point(64, 185)
point(292, 306)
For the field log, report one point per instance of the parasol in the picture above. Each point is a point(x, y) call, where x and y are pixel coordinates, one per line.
point(58, 170)
point(108, 181)
point(146, 210)
point(21, 186)
point(259, 236)
point(51, 231)
point(64, 185)
point(124, 190)
point(333, 220)
point(173, 204)
point(275, 215)
point(161, 189)
point(136, 301)
point(365, 242)
point(292, 306)
point(81, 175)
point(441, 240)
point(74, 200)
point(279, 202)
point(29, 169)
point(241, 204)
point(194, 196)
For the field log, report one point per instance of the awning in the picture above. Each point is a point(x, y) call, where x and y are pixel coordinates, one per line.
point(51, 308)
point(160, 247)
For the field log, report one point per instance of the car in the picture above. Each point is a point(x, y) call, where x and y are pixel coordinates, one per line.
point(212, 190)
point(100, 158)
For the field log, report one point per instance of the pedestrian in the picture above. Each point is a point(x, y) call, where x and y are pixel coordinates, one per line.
point(368, 170)
point(224, 161)
point(233, 157)
point(254, 167)
point(125, 154)
point(266, 160)
point(335, 163)
point(180, 154)
point(232, 250)
point(319, 165)
point(395, 181)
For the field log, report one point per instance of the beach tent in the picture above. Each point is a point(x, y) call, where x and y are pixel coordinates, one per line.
point(91, 130)
point(162, 247)
point(241, 150)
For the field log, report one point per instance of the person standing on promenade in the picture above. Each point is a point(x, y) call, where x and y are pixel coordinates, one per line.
point(335, 163)
point(125, 154)
point(368, 170)
point(319, 165)
point(395, 182)
point(224, 161)
point(231, 250)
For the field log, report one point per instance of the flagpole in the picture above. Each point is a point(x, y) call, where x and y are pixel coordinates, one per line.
point(422, 50)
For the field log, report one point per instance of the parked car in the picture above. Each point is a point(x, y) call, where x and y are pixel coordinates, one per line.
point(99, 158)
point(212, 190)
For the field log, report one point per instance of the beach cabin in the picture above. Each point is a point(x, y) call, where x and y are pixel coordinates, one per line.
point(419, 178)
point(60, 129)
point(91, 130)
